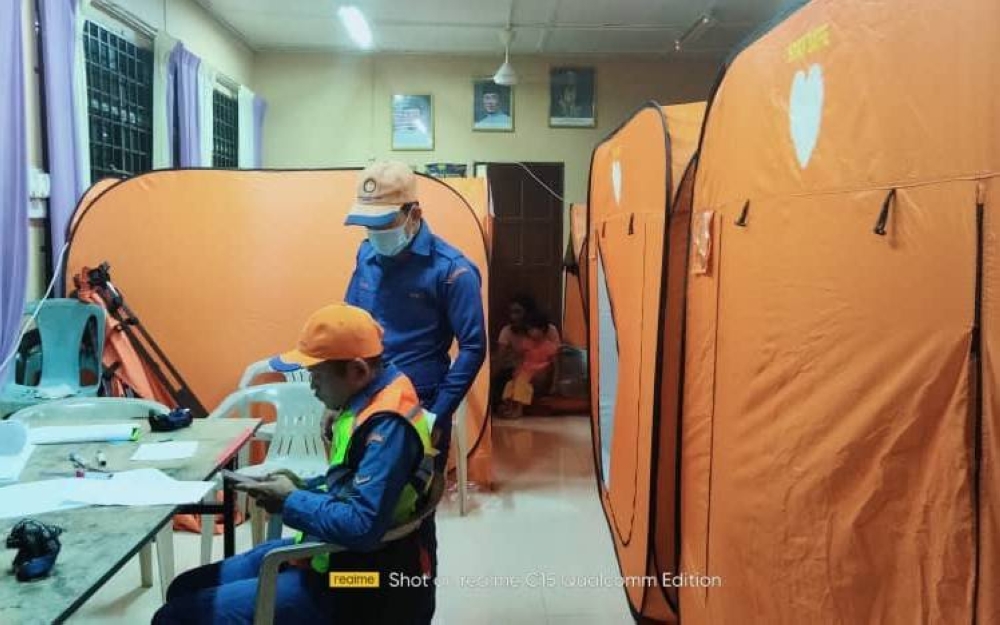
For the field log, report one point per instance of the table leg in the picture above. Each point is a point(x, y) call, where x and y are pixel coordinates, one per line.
point(228, 519)
point(165, 556)
point(146, 564)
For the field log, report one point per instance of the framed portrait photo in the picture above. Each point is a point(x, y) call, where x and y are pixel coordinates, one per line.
point(412, 122)
point(492, 106)
point(572, 97)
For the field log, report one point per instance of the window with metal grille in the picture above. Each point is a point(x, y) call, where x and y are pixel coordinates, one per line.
point(120, 104)
point(226, 128)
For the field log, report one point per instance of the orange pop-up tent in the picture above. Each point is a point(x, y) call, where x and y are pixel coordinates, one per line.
point(223, 267)
point(840, 428)
point(634, 176)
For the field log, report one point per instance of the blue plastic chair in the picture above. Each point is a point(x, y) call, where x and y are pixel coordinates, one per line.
point(62, 324)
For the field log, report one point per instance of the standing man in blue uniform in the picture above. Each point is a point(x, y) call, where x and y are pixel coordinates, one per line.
point(425, 293)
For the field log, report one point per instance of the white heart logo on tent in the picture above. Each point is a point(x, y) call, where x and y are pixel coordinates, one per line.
point(805, 112)
point(616, 180)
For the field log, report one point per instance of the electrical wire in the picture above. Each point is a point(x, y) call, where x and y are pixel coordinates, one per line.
point(539, 181)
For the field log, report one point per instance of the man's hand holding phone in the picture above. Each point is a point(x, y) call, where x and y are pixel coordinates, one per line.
point(270, 491)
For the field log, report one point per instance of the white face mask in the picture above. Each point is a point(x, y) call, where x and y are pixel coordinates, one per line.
point(392, 241)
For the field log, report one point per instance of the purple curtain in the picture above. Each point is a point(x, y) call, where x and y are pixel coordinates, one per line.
point(13, 181)
point(58, 23)
point(182, 105)
point(259, 109)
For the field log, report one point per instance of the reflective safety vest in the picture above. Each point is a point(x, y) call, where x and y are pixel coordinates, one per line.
point(346, 449)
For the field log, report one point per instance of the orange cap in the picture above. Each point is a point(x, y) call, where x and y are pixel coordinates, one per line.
point(336, 332)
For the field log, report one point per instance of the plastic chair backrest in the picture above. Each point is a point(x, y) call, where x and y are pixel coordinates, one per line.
point(62, 324)
point(262, 366)
point(297, 443)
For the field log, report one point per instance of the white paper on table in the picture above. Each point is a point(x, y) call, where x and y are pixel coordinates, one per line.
point(140, 487)
point(18, 500)
point(11, 466)
point(56, 434)
point(174, 450)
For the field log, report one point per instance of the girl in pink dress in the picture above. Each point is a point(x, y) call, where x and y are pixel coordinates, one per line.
point(536, 352)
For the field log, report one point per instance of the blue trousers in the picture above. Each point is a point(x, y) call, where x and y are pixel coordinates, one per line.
point(225, 593)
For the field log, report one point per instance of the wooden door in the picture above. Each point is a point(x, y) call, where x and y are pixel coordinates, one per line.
point(527, 238)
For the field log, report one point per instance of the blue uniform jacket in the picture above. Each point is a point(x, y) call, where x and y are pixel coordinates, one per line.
point(424, 298)
point(356, 513)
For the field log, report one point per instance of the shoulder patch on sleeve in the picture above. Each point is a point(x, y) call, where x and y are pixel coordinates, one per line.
point(456, 272)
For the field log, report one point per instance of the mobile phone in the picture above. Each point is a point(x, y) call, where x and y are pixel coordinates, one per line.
point(239, 478)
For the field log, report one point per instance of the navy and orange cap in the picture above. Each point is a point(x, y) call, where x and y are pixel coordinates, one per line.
point(383, 189)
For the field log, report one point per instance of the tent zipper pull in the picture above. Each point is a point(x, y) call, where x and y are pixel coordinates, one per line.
point(742, 221)
point(631, 224)
point(883, 216)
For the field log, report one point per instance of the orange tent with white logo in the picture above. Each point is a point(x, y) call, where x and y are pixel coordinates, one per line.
point(223, 267)
point(841, 426)
point(634, 179)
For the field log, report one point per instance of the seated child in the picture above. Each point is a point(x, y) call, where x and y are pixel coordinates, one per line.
point(533, 373)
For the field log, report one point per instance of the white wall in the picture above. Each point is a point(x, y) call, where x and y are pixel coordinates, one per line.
point(182, 19)
point(334, 110)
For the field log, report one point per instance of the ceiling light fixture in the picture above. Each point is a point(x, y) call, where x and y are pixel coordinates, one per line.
point(506, 75)
point(696, 30)
point(357, 26)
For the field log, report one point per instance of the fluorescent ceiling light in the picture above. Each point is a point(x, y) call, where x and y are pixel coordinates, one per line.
point(357, 26)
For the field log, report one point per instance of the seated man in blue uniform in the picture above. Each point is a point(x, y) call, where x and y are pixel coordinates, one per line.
point(381, 467)
point(426, 294)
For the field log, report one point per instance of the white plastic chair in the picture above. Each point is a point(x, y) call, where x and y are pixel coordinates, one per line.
point(263, 433)
point(266, 431)
point(113, 409)
point(297, 444)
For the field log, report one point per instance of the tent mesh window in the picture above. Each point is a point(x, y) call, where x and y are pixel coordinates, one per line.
point(225, 151)
point(119, 104)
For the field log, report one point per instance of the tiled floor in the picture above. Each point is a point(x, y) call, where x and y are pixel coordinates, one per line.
point(541, 525)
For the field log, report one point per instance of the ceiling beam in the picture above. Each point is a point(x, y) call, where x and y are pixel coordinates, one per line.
point(222, 21)
point(548, 29)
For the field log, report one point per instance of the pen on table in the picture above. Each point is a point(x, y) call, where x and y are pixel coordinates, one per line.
point(92, 475)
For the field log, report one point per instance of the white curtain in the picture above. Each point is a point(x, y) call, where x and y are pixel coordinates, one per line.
point(206, 116)
point(81, 101)
point(163, 153)
point(247, 128)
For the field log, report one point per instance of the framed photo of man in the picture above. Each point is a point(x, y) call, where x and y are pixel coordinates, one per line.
point(412, 122)
point(492, 106)
point(572, 97)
